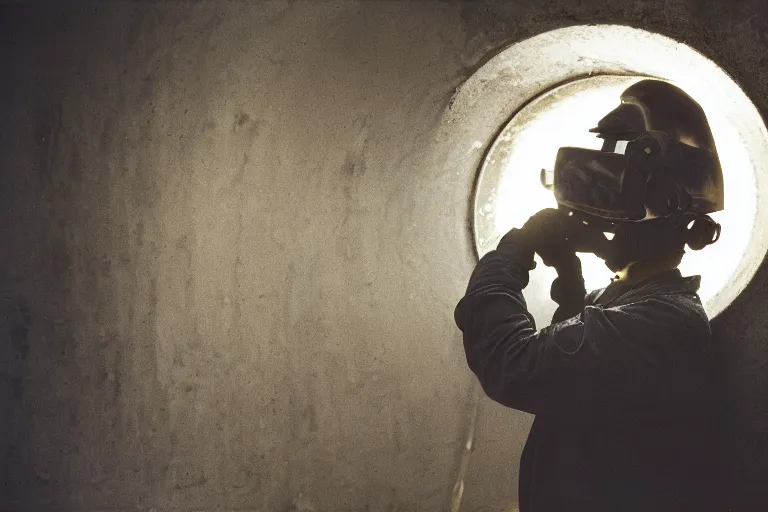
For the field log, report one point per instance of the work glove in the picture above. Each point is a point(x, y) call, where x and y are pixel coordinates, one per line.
point(554, 236)
point(551, 233)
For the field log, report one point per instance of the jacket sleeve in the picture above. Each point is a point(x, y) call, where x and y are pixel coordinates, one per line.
point(601, 359)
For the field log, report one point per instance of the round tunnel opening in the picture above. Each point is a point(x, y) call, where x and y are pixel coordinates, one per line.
point(509, 187)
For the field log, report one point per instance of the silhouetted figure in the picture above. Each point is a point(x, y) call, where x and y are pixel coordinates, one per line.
point(621, 382)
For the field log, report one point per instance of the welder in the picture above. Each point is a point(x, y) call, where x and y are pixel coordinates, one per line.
point(621, 382)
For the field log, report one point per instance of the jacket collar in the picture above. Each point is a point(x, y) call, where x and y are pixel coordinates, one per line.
point(663, 283)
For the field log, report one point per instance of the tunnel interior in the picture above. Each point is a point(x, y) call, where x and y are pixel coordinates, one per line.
point(234, 235)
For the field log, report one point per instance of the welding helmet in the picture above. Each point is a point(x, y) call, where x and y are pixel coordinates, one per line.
point(658, 160)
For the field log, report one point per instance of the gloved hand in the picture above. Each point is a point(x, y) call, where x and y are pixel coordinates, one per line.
point(555, 236)
point(551, 233)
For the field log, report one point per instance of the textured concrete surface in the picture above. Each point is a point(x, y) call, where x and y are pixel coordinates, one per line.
point(231, 251)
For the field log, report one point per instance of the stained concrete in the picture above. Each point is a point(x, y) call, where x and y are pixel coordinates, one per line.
point(232, 245)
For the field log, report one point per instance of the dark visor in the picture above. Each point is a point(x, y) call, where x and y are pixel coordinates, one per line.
point(595, 182)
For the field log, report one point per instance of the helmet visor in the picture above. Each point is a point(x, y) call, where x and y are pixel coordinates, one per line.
point(595, 182)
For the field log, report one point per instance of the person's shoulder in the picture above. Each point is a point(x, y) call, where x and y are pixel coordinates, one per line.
point(667, 313)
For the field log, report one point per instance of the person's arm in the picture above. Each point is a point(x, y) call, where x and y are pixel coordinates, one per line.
point(568, 289)
point(601, 359)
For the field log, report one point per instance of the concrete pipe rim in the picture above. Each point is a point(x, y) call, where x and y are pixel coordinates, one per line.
point(523, 74)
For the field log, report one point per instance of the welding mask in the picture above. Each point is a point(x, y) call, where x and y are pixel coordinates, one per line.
point(658, 158)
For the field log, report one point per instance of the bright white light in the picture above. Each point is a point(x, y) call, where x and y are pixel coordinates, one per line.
point(563, 117)
point(525, 82)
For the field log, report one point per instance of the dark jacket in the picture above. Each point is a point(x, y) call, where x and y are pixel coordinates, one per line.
point(622, 393)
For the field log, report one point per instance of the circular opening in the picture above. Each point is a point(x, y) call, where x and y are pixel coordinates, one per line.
point(559, 113)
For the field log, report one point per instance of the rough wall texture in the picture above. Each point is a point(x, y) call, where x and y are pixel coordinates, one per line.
point(230, 253)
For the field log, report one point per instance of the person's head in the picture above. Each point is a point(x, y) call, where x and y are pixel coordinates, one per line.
point(652, 185)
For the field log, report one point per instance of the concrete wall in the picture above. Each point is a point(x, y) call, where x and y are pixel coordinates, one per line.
point(232, 245)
